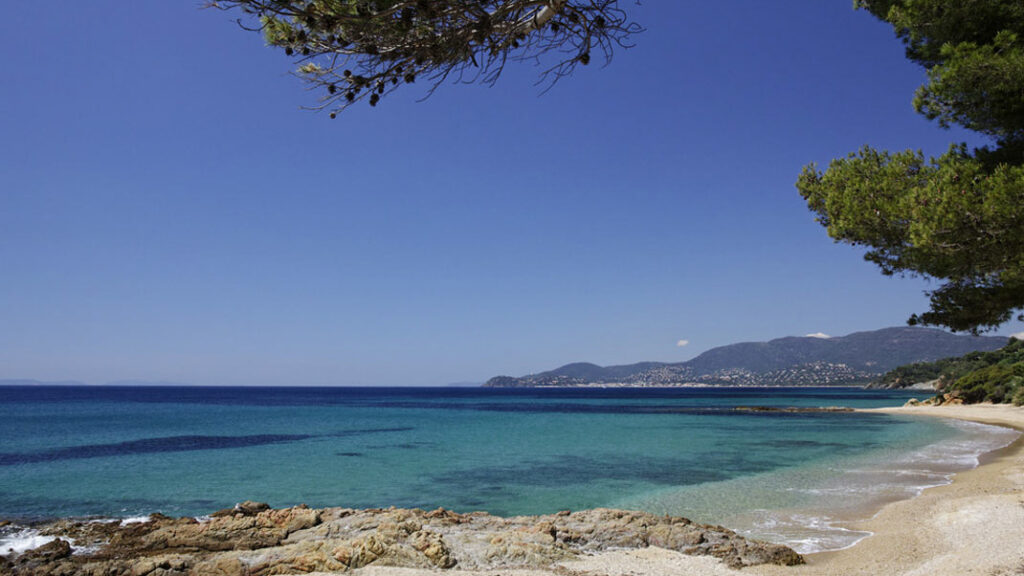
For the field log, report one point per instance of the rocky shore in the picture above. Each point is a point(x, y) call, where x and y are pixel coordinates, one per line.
point(253, 539)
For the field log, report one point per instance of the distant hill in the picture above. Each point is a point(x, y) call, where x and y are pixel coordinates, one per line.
point(792, 361)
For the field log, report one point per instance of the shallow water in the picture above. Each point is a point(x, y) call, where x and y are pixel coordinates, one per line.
point(810, 507)
point(123, 452)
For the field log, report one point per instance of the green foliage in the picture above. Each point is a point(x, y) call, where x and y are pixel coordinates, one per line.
point(996, 376)
point(974, 56)
point(910, 374)
point(1018, 395)
point(986, 384)
point(951, 217)
point(958, 218)
point(978, 87)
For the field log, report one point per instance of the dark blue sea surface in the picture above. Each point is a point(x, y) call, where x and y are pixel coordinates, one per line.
point(111, 451)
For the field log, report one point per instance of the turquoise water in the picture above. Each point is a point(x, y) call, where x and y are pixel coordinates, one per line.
point(188, 451)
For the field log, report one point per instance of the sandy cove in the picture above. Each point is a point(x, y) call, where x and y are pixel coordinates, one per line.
point(974, 526)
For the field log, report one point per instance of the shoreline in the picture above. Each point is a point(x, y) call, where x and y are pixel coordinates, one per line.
point(971, 525)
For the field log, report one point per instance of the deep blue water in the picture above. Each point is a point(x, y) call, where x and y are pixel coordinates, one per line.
point(74, 451)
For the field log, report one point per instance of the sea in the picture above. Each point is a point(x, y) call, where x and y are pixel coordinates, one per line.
point(797, 478)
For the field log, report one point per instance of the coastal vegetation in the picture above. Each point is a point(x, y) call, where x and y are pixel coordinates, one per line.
point(996, 376)
point(957, 218)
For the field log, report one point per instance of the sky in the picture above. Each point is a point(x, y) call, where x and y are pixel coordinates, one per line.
point(169, 212)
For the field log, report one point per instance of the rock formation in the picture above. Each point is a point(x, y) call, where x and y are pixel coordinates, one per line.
point(254, 540)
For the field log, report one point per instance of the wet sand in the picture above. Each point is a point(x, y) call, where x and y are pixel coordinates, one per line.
point(973, 526)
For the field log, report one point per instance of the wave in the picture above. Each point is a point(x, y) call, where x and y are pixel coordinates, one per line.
point(20, 540)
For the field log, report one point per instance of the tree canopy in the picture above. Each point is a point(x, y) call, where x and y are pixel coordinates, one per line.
point(957, 218)
point(355, 50)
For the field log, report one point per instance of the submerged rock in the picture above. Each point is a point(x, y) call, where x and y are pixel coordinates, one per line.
point(255, 540)
point(793, 409)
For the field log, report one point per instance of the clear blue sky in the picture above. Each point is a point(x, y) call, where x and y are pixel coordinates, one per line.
point(167, 212)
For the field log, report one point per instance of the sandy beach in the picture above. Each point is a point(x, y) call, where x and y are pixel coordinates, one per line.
point(975, 525)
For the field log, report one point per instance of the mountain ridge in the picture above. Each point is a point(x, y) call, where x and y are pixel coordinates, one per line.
point(855, 358)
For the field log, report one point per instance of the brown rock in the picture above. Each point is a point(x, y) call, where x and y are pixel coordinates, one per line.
point(48, 552)
point(434, 548)
point(247, 508)
point(302, 558)
point(236, 532)
point(263, 542)
point(168, 565)
point(446, 516)
point(222, 566)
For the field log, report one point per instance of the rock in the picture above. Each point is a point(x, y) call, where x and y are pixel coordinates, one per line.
point(222, 566)
point(446, 516)
point(952, 398)
point(48, 552)
point(168, 565)
point(247, 508)
point(793, 409)
point(258, 541)
point(46, 560)
point(241, 531)
point(434, 548)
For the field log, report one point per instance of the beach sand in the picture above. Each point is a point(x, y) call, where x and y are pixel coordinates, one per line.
point(974, 526)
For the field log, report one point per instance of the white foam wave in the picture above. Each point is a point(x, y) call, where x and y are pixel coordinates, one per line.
point(23, 541)
point(135, 520)
point(805, 533)
point(873, 483)
point(85, 550)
